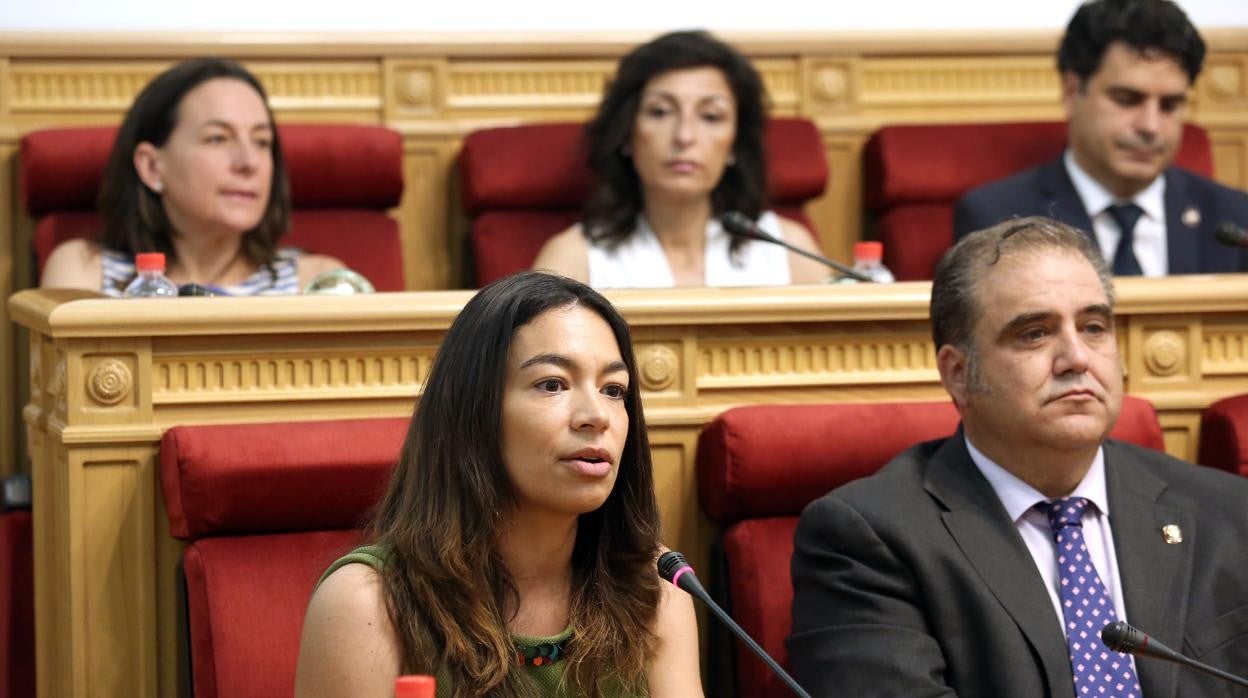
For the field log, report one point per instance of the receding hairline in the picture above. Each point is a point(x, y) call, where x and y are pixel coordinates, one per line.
point(987, 266)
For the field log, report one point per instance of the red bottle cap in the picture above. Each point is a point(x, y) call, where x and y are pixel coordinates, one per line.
point(415, 686)
point(150, 261)
point(869, 251)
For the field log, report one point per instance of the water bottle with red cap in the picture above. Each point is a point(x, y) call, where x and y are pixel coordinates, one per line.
point(415, 686)
point(868, 260)
point(151, 281)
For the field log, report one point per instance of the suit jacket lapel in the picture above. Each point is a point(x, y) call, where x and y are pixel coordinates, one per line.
point(979, 524)
point(1182, 243)
point(1061, 200)
point(1156, 575)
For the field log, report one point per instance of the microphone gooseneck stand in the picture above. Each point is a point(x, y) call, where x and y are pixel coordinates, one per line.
point(740, 225)
point(673, 568)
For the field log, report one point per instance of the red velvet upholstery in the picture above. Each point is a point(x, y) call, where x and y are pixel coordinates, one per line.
point(265, 508)
point(523, 184)
point(342, 180)
point(1224, 435)
point(759, 466)
point(913, 175)
point(17, 613)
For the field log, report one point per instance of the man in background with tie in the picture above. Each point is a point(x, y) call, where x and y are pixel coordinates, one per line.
point(987, 563)
point(1127, 67)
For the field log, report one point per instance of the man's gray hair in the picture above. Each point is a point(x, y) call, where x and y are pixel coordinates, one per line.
point(955, 308)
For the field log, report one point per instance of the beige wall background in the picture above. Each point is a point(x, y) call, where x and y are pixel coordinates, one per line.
point(435, 87)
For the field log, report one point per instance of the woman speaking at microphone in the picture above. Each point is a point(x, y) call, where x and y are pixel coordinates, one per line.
point(514, 551)
point(677, 142)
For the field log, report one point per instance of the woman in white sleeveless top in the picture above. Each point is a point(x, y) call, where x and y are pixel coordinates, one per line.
point(677, 142)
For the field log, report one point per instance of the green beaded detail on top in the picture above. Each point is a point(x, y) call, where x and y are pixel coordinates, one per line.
point(541, 654)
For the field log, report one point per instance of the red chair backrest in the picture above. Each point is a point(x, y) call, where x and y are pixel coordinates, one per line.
point(1224, 435)
point(17, 605)
point(523, 184)
point(265, 509)
point(759, 466)
point(343, 178)
point(913, 176)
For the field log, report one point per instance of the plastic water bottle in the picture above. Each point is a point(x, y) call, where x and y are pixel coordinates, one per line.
point(867, 261)
point(415, 686)
point(151, 281)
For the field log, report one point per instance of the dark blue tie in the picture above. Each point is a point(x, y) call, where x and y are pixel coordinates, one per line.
point(1126, 216)
point(1086, 608)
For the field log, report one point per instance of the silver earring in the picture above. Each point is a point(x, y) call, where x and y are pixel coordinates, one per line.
point(158, 187)
point(732, 160)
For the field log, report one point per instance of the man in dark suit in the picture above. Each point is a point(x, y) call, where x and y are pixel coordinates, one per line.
point(1126, 67)
point(986, 564)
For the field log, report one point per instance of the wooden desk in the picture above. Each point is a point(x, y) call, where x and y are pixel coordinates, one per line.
point(108, 377)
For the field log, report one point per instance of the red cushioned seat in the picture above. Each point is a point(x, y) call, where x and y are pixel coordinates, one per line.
point(759, 466)
point(913, 176)
point(1224, 435)
point(265, 509)
point(523, 184)
point(17, 614)
point(343, 178)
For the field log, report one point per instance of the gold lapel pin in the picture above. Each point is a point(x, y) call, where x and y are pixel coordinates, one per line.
point(1191, 217)
point(1172, 534)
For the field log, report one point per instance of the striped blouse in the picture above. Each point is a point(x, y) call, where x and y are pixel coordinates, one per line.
point(283, 280)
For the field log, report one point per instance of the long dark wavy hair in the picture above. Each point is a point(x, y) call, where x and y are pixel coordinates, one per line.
point(134, 217)
point(611, 212)
point(447, 589)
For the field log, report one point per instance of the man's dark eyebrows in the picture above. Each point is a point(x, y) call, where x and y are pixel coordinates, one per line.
point(1098, 309)
point(1019, 321)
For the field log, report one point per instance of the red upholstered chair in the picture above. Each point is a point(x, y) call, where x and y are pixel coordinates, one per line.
point(17, 613)
point(343, 178)
point(759, 466)
point(265, 508)
point(1224, 435)
point(523, 184)
point(913, 175)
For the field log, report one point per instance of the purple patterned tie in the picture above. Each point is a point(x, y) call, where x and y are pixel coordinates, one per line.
point(1086, 608)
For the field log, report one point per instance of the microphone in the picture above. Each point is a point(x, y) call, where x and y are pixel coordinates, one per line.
point(1126, 638)
point(1231, 235)
point(740, 225)
point(674, 568)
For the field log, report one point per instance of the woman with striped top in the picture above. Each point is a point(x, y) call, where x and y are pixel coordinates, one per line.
point(197, 173)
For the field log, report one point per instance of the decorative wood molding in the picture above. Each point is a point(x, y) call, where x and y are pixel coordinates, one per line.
point(848, 359)
point(434, 88)
point(1224, 350)
point(285, 377)
point(110, 380)
point(935, 82)
point(103, 564)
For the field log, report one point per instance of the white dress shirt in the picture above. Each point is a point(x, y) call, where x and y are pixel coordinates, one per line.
point(1018, 498)
point(1150, 231)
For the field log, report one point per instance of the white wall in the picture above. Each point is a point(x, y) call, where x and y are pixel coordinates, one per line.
point(519, 15)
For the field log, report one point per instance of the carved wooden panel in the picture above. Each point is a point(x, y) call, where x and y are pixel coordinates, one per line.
point(292, 376)
point(1224, 350)
point(933, 81)
point(815, 361)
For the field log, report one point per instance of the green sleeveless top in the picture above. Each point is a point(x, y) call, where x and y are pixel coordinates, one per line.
point(540, 655)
